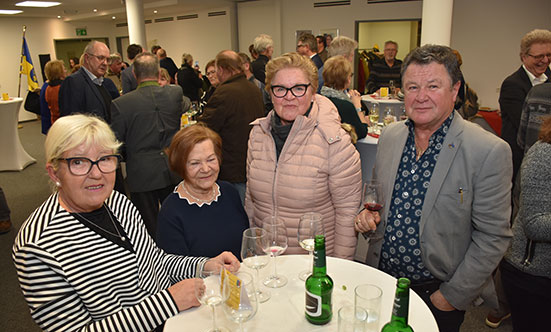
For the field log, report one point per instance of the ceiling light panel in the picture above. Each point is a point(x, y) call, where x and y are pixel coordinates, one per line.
point(41, 4)
point(9, 11)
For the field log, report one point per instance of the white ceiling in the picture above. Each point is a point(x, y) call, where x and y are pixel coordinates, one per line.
point(82, 10)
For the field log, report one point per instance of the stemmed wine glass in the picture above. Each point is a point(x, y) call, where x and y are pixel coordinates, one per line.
point(309, 226)
point(254, 253)
point(374, 114)
point(373, 200)
point(277, 244)
point(212, 290)
point(247, 306)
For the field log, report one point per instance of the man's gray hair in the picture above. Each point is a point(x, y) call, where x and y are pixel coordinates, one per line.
point(262, 42)
point(532, 37)
point(342, 46)
point(428, 54)
point(146, 65)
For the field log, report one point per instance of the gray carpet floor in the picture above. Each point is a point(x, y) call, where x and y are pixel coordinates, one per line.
point(27, 189)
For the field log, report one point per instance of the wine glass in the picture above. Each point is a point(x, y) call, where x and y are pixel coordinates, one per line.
point(389, 116)
point(309, 226)
point(247, 306)
point(254, 253)
point(373, 200)
point(374, 113)
point(212, 290)
point(403, 115)
point(277, 244)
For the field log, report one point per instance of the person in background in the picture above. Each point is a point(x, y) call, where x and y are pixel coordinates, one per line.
point(115, 69)
point(210, 71)
point(445, 217)
point(526, 269)
point(328, 40)
point(200, 203)
point(189, 79)
point(300, 159)
point(344, 46)
point(385, 70)
point(233, 106)
point(128, 79)
point(246, 62)
point(73, 62)
point(155, 48)
point(264, 47)
point(164, 77)
point(45, 116)
point(337, 75)
point(86, 221)
point(145, 120)
point(537, 106)
point(322, 47)
point(167, 63)
point(55, 72)
point(308, 46)
point(253, 53)
point(5, 221)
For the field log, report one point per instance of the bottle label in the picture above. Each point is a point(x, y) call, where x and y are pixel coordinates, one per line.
point(401, 306)
point(313, 304)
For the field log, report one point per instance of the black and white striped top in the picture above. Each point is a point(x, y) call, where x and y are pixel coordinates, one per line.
point(76, 280)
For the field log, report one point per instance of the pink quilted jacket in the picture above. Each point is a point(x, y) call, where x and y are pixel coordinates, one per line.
point(318, 171)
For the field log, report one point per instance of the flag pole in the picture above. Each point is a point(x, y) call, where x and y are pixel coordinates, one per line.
point(21, 61)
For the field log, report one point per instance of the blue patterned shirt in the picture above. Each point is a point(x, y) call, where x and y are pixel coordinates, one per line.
point(401, 251)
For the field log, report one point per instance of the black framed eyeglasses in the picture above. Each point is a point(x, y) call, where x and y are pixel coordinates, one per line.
point(540, 57)
point(82, 166)
point(297, 90)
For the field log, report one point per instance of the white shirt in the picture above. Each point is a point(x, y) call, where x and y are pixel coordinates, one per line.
point(533, 79)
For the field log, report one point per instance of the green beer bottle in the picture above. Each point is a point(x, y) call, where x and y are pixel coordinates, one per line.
point(399, 319)
point(319, 287)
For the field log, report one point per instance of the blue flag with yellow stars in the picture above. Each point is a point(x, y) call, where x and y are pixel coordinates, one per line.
point(27, 67)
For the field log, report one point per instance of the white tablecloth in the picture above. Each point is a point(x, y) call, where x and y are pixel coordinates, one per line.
point(284, 311)
point(12, 155)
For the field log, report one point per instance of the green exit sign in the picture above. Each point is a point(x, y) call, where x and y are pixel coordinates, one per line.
point(81, 32)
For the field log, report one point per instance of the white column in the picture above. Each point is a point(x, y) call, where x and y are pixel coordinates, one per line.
point(136, 24)
point(436, 22)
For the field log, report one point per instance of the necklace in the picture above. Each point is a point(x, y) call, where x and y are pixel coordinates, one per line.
point(199, 199)
point(103, 229)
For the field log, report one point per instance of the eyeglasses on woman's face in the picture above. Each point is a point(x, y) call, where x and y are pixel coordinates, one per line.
point(80, 166)
point(297, 90)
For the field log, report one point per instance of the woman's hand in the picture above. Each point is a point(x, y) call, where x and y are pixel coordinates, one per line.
point(356, 98)
point(183, 294)
point(366, 221)
point(226, 260)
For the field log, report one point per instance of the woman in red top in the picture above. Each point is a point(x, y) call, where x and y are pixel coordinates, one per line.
point(55, 73)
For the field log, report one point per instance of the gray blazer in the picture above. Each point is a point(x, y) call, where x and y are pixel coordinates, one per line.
point(128, 80)
point(145, 120)
point(462, 238)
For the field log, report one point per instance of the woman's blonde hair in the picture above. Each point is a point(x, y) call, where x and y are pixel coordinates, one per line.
point(187, 58)
point(71, 131)
point(292, 60)
point(336, 72)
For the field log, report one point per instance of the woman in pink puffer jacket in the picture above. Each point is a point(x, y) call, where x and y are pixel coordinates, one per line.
point(300, 159)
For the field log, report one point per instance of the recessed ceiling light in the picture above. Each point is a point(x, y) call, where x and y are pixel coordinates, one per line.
point(58, 16)
point(114, 17)
point(95, 10)
point(37, 4)
point(9, 11)
point(154, 12)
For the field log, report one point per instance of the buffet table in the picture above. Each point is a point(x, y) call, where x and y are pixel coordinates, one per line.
point(12, 155)
point(284, 311)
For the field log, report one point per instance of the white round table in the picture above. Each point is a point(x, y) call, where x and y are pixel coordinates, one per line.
point(284, 311)
point(385, 102)
point(12, 155)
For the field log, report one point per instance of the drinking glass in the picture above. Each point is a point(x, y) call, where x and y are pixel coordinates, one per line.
point(248, 303)
point(373, 200)
point(254, 253)
point(212, 290)
point(277, 244)
point(368, 297)
point(374, 113)
point(389, 116)
point(403, 115)
point(391, 88)
point(352, 319)
point(309, 226)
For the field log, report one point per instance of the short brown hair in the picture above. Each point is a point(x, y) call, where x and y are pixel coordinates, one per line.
point(185, 140)
point(229, 61)
point(533, 37)
point(309, 40)
point(545, 131)
point(54, 70)
point(211, 63)
point(292, 60)
point(336, 72)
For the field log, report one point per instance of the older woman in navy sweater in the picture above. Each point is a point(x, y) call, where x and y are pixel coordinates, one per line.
point(202, 215)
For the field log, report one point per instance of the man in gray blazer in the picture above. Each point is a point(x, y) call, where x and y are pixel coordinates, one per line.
point(145, 120)
point(446, 185)
point(128, 80)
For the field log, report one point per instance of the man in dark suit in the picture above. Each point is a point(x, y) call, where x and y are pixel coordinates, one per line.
point(128, 79)
point(83, 91)
point(145, 120)
point(308, 46)
point(264, 47)
point(167, 63)
point(535, 54)
point(236, 103)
